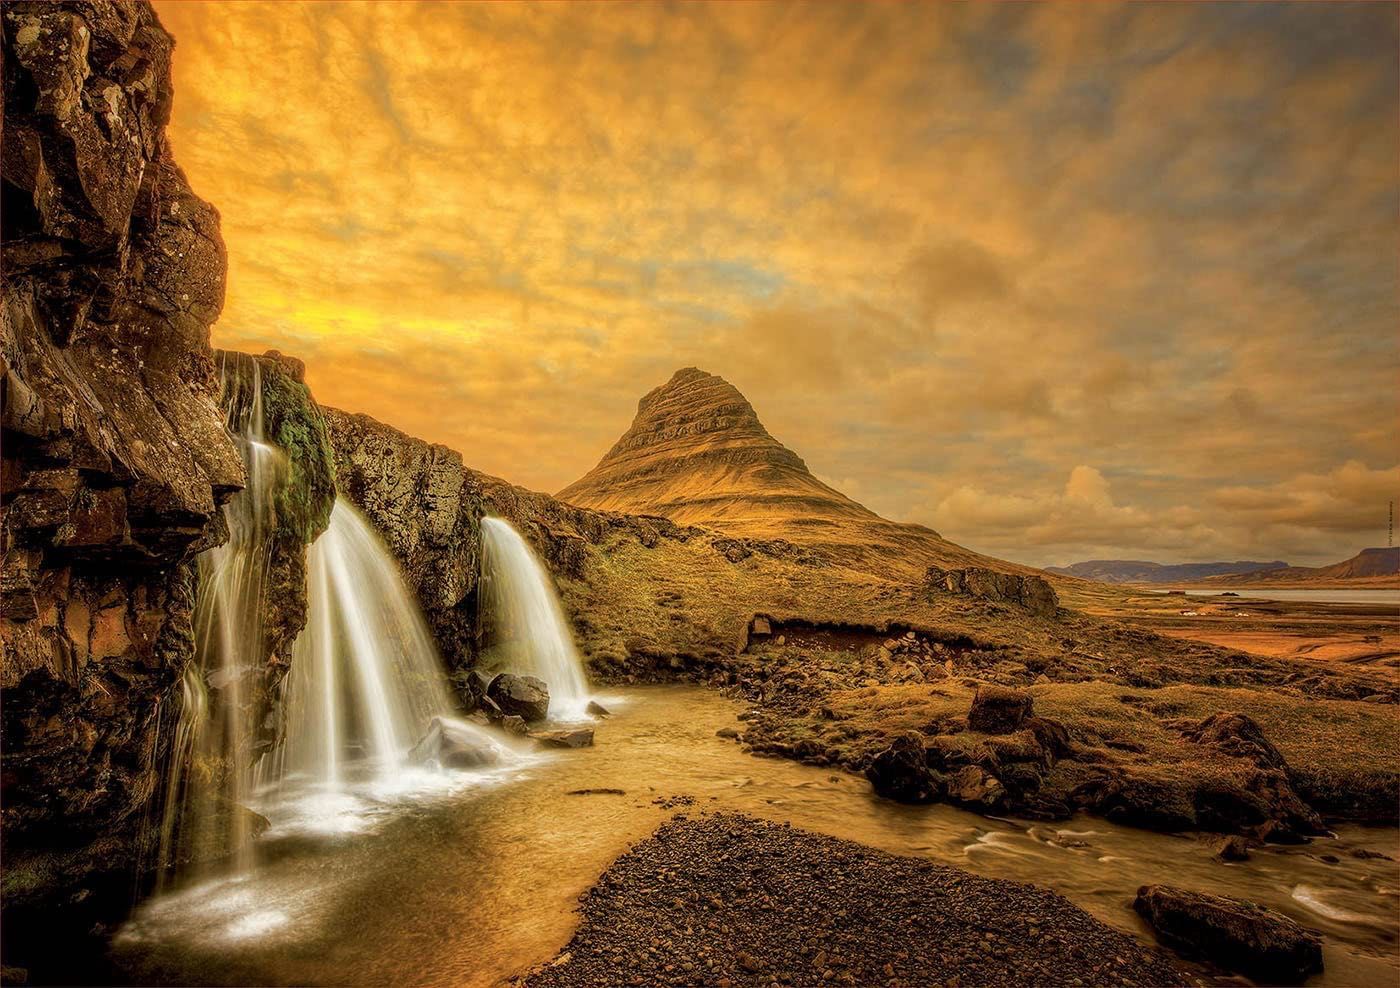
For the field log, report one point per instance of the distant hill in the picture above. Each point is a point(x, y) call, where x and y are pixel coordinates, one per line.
point(696, 453)
point(1140, 571)
point(1369, 567)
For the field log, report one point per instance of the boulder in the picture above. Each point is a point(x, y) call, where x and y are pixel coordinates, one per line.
point(998, 709)
point(974, 786)
point(1232, 848)
point(1232, 934)
point(1239, 736)
point(523, 696)
point(581, 737)
point(514, 724)
point(596, 709)
point(901, 772)
point(453, 744)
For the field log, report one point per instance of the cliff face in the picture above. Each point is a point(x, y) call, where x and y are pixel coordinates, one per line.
point(115, 456)
point(697, 454)
point(427, 507)
point(299, 509)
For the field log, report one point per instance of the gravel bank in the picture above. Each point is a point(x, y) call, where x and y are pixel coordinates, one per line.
point(728, 900)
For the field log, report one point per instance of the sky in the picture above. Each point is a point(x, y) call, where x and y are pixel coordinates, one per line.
point(1061, 281)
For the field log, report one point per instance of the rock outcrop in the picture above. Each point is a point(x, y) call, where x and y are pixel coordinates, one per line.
point(272, 386)
point(1232, 933)
point(427, 506)
point(115, 456)
point(520, 696)
point(998, 709)
point(697, 454)
point(1034, 593)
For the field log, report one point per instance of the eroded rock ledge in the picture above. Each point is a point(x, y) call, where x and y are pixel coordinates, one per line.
point(115, 456)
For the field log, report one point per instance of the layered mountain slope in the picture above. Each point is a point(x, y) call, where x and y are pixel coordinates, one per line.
point(696, 453)
point(1369, 567)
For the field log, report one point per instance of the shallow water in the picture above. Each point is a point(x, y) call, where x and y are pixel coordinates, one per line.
point(468, 879)
point(1335, 596)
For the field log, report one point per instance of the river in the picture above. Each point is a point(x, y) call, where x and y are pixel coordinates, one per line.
point(471, 882)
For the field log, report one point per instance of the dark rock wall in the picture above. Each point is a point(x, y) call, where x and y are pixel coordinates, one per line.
point(300, 507)
point(115, 456)
point(427, 507)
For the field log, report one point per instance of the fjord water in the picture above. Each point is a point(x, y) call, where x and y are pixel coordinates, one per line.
point(478, 881)
point(526, 632)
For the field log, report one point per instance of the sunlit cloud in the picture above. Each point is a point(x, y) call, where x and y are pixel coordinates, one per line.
point(950, 252)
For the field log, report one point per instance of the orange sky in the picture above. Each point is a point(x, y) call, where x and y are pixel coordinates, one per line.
point(1061, 281)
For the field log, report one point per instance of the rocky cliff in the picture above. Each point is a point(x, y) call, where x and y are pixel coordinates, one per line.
point(115, 456)
point(427, 506)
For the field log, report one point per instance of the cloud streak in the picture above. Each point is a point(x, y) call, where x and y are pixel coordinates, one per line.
point(949, 251)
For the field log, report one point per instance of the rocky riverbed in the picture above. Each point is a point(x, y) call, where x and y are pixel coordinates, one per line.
point(728, 899)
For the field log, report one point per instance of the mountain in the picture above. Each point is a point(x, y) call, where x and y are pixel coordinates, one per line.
point(696, 453)
point(1369, 567)
point(1140, 571)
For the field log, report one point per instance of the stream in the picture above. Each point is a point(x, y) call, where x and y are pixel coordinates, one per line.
point(471, 878)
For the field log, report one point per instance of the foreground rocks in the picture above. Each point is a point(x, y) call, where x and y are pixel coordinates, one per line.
point(452, 744)
point(729, 900)
point(520, 696)
point(1232, 934)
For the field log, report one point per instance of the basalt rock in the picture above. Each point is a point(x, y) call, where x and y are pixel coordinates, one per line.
point(299, 512)
point(1232, 933)
point(115, 456)
point(901, 772)
point(1031, 592)
point(453, 745)
point(427, 507)
point(998, 709)
point(521, 696)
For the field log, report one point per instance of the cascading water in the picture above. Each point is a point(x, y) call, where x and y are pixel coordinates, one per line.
point(366, 681)
point(525, 628)
point(208, 784)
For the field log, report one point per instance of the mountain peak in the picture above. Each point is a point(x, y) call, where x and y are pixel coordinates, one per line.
point(697, 453)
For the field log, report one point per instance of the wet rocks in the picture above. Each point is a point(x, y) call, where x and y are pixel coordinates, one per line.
point(901, 771)
point(1232, 848)
point(998, 709)
point(451, 744)
point(521, 696)
point(1232, 933)
point(427, 506)
point(579, 737)
point(596, 709)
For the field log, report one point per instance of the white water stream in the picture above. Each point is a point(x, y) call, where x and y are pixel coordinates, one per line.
point(526, 630)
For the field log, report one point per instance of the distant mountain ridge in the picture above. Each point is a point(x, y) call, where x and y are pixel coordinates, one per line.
point(1376, 567)
point(1142, 571)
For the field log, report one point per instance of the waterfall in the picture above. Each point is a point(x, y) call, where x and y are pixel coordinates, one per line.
point(364, 703)
point(525, 628)
point(366, 680)
point(211, 761)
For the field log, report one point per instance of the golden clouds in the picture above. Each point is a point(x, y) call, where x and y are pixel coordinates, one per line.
point(934, 244)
